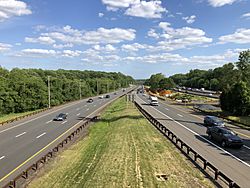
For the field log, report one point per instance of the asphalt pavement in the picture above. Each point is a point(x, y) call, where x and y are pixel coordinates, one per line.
point(20, 140)
point(235, 163)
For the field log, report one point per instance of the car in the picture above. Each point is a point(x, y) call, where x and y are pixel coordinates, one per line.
point(90, 100)
point(213, 121)
point(60, 117)
point(115, 93)
point(124, 90)
point(107, 96)
point(224, 136)
point(101, 97)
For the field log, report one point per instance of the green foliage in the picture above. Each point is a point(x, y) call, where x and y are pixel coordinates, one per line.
point(24, 90)
point(237, 99)
point(159, 81)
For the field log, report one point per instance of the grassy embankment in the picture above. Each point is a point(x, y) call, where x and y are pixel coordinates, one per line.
point(121, 150)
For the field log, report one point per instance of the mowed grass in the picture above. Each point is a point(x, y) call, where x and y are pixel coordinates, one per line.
point(121, 150)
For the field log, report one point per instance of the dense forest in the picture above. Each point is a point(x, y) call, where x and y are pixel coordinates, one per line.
point(27, 89)
point(233, 79)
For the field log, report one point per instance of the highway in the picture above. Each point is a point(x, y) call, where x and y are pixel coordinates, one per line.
point(235, 163)
point(22, 140)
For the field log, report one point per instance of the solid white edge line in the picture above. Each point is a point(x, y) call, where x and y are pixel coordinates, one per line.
point(20, 134)
point(245, 163)
point(41, 135)
point(2, 157)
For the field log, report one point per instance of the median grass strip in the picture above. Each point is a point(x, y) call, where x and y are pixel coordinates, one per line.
point(121, 150)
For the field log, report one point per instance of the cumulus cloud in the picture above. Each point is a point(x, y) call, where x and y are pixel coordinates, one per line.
point(67, 36)
point(172, 39)
point(220, 3)
point(106, 49)
point(11, 8)
point(246, 15)
point(241, 36)
point(137, 8)
point(5, 47)
point(152, 33)
point(100, 14)
point(146, 9)
point(133, 47)
point(41, 40)
point(38, 52)
point(189, 19)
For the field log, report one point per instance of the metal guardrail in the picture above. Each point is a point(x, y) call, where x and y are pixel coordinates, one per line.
point(21, 117)
point(187, 150)
point(50, 153)
point(39, 163)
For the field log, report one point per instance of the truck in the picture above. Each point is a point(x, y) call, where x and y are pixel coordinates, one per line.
point(154, 101)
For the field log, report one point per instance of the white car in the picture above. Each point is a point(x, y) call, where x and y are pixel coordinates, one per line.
point(101, 97)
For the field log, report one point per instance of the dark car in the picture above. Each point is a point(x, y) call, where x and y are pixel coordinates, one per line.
point(107, 96)
point(90, 101)
point(224, 136)
point(213, 121)
point(60, 117)
point(115, 93)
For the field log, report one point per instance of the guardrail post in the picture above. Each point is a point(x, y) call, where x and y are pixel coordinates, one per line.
point(25, 175)
point(35, 166)
point(216, 173)
point(13, 183)
point(205, 165)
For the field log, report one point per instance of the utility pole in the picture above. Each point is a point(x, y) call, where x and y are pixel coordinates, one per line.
point(80, 90)
point(49, 89)
point(97, 90)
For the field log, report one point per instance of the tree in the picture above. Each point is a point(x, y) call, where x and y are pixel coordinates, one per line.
point(154, 81)
point(244, 66)
point(237, 99)
point(166, 83)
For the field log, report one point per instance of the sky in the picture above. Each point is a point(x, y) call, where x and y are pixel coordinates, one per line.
point(135, 37)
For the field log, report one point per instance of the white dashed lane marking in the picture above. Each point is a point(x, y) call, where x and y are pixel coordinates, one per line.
point(20, 134)
point(2, 157)
point(41, 135)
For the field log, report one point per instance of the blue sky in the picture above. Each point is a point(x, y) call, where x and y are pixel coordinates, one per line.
point(135, 37)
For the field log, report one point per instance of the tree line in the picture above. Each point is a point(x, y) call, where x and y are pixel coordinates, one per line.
point(24, 90)
point(233, 79)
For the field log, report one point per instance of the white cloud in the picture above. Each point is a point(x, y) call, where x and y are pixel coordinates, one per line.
point(10, 8)
point(241, 36)
point(70, 53)
point(137, 8)
point(41, 40)
point(133, 47)
point(172, 39)
point(67, 36)
point(106, 49)
point(219, 3)
point(38, 52)
point(152, 33)
point(115, 4)
point(100, 14)
point(189, 19)
point(246, 15)
point(60, 46)
point(5, 47)
point(146, 9)
point(102, 35)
